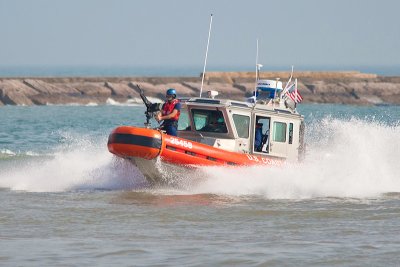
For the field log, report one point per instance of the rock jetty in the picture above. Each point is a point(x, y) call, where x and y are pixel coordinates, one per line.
point(349, 87)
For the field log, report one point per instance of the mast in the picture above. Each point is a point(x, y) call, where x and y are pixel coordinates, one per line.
point(257, 70)
point(205, 60)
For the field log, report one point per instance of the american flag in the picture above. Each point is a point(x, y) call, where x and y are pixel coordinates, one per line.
point(296, 99)
point(294, 94)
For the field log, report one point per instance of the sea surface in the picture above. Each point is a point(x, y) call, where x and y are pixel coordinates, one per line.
point(66, 201)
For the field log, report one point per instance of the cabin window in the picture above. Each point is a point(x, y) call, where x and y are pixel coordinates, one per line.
point(242, 124)
point(209, 121)
point(279, 132)
point(290, 133)
point(184, 123)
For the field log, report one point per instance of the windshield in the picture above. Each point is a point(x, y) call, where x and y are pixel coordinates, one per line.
point(209, 121)
point(183, 123)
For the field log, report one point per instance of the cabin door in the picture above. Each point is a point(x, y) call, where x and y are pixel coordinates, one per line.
point(260, 136)
point(242, 125)
point(279, 138)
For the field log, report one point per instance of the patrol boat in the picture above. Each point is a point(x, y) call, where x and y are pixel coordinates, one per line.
point(264, 130)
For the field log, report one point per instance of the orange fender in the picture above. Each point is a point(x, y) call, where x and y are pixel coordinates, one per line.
point(126, 141)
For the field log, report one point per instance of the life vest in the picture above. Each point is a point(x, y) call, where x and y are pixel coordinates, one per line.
point(168, 107)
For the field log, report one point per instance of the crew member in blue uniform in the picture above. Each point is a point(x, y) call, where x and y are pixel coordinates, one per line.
point(258, 137)
point(170, 113)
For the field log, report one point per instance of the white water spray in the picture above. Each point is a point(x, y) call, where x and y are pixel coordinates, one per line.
point(345, 158)
point(83, 164)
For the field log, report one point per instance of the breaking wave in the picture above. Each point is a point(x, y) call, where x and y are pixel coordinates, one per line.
point(6, 153)
point(131, 102)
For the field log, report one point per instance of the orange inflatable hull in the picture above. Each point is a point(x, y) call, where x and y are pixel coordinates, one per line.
point(136, 142)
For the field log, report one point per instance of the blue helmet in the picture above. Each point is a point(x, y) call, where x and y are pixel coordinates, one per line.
point(171, 91)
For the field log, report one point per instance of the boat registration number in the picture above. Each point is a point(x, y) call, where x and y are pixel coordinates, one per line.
point(178, 142)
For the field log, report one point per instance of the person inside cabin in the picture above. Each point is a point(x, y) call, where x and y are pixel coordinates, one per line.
point(258, 137)
point(216, 124)
point(220, 125)
point(170, 113)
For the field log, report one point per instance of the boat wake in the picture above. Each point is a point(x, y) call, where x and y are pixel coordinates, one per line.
point(345, 158)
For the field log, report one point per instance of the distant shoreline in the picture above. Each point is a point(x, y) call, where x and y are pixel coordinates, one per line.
point(342, 87)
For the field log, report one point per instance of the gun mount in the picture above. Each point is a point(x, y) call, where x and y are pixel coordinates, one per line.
point(151, 108)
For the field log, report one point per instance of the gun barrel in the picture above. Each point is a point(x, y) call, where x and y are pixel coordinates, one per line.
point(146, 102)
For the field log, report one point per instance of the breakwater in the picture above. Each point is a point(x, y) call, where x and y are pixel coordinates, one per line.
point(349, 87)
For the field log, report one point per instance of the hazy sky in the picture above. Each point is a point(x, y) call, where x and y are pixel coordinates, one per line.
point(173, 33)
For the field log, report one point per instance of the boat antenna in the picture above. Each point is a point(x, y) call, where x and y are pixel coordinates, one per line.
point(258, 66)
point(205, 60)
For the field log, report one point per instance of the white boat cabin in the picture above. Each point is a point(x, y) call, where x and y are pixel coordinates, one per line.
point(265, 128)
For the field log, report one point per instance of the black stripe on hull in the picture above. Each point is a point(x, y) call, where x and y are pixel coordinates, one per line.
point(130, 139)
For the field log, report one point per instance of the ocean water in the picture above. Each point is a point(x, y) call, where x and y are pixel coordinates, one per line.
point(66, 201)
